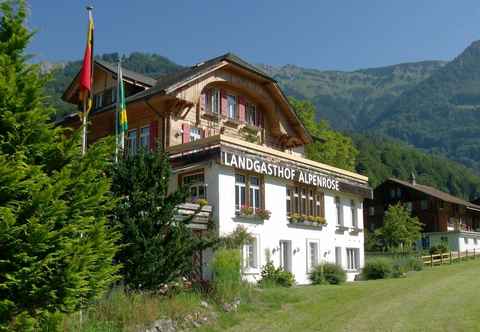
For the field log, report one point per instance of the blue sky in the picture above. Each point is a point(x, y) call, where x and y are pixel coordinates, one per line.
point(323, 34)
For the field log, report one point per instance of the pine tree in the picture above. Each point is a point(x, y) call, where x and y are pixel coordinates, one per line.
point(56, 248)
point(157, 248)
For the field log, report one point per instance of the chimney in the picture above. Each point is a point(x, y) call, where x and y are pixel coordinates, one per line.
point(412, 179)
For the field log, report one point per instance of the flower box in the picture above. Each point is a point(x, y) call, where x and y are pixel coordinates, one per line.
point(303, 220)
point(252, 213)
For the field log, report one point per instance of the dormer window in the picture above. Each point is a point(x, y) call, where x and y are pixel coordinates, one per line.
point(232, 106)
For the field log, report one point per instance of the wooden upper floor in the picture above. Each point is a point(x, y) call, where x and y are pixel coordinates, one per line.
point(224, 95)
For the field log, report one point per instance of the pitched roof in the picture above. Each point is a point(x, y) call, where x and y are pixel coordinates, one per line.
point(166, 82)
point(437, 194)
point(134, 76)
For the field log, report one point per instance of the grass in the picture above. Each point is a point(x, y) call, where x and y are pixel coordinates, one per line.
point(442, 298)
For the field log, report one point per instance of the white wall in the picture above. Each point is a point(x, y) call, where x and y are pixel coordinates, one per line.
point(457, 241)
point(271, 231)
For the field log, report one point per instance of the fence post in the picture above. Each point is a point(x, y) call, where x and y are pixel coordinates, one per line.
point(431, 260)
point(441, 258)
point(473, 253)
point(450, 257)
point(466, 255)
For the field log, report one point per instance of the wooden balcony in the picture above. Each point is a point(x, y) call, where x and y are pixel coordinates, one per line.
point(202, 215)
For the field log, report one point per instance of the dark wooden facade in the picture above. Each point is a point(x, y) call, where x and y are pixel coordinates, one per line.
point(436, 210)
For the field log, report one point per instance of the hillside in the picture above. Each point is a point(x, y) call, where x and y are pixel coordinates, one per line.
point(380, 158)
point(350, 100)
point(442, 113)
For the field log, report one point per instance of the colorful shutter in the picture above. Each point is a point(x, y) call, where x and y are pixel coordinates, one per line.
point(153, 134)
point(203, 102)
point(224, 104)
point(241, 108)
point(185, 133)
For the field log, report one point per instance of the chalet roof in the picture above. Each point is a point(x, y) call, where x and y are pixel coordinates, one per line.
point(169, 81)
point(129, 74)
point(437, 194)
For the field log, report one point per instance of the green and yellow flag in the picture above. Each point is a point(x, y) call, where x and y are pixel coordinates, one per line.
point(122, 123)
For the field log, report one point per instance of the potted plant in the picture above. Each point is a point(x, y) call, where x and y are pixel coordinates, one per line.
point(263, 213)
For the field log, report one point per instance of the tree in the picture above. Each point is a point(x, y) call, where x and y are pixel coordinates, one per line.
point(56, 249)
point(329, 147)
point(399, 229)
point(157, 247)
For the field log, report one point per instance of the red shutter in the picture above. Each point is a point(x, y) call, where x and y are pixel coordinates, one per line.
point(186, 133)
point(153, 134)
point(223, 97)
point(203, 101)
point(241, 108)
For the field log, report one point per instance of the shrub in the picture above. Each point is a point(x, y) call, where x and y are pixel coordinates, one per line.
point(438, 249)
point(377, 268)
point(328, 273)
point(227, 279)
point(272, 276)
point(405, 264)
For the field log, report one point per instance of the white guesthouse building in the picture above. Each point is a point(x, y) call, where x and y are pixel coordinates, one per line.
point(236, 142)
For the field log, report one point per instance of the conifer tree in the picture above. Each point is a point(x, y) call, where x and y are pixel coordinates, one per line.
point(157, 247)
point(56, 248)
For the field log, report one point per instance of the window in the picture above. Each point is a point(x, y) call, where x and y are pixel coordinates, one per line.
point(353, 255)
point(196, 185)
point(289, 201)
point(305, 200)
point(338, 256)
point(254, 192)
point(312, 254)
point(195, 134)
point(286, 255)
point(424, 204)
point(240, 188)
point(353, 208)
point(251, 114)
point(248, 192)
point(98, 100)
point(132, 142)
point(465, 239)
point(250, 254)
point(145, 137)
point(408, 206)
point(213, 101)
point(399, 192)
point(392, 193)
point(371, 211)
point(232, 106)
point(338, 205)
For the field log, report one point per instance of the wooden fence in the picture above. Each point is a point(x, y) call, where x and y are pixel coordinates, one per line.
point(449, 257)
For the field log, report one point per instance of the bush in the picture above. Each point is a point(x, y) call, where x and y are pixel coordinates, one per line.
point(438, 249)
point(227, 279)
point(405, 264)
point(330, 273)
point(377, 268)
point(272, 276)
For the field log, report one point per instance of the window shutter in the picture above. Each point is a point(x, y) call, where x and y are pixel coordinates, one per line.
point(203, 132)
point(203, 102)
point(186, 133)
point(153, 134)
point(223, 97)
point(241, 108)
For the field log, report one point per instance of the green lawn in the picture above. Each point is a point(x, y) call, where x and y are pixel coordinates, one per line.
point(445, 298)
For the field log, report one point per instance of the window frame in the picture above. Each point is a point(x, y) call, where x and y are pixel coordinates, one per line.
point(130, 150)
point(254, 120)
point(300, 194)
point(195, 134)
point(235, 106)
point(142, 136)
point(311, 266)
point(353, 259)
point(354, 213)
point(247, 259)
point(248, 191)
point(211, 95)
point(339, 211)
point(196, 185)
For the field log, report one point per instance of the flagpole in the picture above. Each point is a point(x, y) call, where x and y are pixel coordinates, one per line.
point(117, 110)
point(84, 127)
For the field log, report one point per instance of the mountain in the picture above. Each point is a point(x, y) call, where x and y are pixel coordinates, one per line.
point(351, 100)
point(441, 113)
